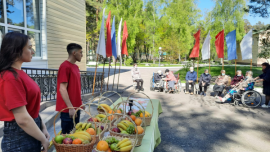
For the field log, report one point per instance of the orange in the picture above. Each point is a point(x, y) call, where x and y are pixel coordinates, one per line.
point(110, 118)
point(95, 120)
point(102, 146)
point(91, 131)
point(138, 121)
point(133, 117)
point(118, 111)
point(111, 112)
point(140, 130)
point(77, 141)
point(109, 150)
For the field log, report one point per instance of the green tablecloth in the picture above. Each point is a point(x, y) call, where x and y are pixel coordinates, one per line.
point(152, 137)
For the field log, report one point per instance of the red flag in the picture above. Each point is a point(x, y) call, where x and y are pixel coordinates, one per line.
point(220, 44)
point(109, 40)
point(124, 41)
point(196, 48)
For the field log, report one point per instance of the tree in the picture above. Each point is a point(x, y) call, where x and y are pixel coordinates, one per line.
point(265, 45)
point(259, 7)
point(248, 26)
point(260, 26)
point(227, 15)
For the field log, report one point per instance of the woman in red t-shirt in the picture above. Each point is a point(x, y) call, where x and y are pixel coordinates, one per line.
point(20, 97)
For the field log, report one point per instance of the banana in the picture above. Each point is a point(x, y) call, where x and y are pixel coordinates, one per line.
point(78, 125)
point(127, 143)
point(101, 116)
point(127, 148)
point(122, 126)
point(84, 125)
point(106, 107)
point(81, 136)
point(126, 123)
point(122, 141)
point(99, 120)
point(84, 133)
point(147, 114)
point(121, 129)
point(88, 126)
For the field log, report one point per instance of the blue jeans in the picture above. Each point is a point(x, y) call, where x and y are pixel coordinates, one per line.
point(67, 122)
point(15, 139)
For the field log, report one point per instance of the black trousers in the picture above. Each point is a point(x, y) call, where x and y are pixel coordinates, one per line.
point(192, 86)
point(67, 122)
point(204, 88)
point(138, 83)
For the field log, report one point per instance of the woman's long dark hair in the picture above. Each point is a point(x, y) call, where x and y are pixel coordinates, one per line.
point(267, 66)
point(11, 49)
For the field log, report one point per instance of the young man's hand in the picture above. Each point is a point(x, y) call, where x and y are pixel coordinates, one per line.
point(72, 112)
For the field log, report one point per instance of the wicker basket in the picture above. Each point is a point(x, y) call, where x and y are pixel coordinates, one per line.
point(133, 141)
point(147, 119)
point(72, 147)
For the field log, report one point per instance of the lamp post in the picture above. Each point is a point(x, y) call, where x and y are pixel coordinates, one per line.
point(159, 52)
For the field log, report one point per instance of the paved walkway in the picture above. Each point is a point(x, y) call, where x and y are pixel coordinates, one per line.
point(198, 124)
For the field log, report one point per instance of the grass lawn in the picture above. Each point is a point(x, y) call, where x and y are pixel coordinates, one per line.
point(215, 71)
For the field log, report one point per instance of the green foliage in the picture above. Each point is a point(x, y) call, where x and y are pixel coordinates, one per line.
point(265, 45)
point(187, 66)
point(129, 61)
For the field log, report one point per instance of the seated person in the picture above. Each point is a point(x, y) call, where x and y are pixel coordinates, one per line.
point(171, 79)
point(246, 84)
point(204, 81)
point(191, 77)
point(158, 76)
point(220, 83)
point(135, 73)
point(237, 78)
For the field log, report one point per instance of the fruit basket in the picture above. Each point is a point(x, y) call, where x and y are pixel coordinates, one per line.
point(125, 126)
point(98, 128)
point(83, 142)
point(148, 116)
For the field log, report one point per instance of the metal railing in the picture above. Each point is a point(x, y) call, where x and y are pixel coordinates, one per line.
point(47, 81)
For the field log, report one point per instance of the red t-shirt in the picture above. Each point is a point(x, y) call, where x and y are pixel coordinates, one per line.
point(69, 73)
point(19, 92)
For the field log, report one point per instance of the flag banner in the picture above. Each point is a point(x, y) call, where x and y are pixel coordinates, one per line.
point(220, 44)
point(114, 52)
point(246, 46)
point(119, 39)
point(231, 45)
point(101, 47)
point(109, 41)
point(124, 41)
point(196, 48)
point(206, 47)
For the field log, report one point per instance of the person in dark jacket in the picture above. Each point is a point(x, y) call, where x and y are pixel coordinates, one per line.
point(237, 78)
point(158, 76)
point(204, 81)
point(265, 78)
point(191, 77)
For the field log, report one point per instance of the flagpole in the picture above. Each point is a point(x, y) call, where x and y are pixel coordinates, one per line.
point(223, 63)
point(119, 72)
point(250, 64)
point(109, 74)
point(209, 67)
point(95, 77)
point(197, 69)
point(114, 73)
point(102, 75)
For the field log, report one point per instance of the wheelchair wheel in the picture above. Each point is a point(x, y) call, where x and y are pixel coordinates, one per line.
point(251, 99)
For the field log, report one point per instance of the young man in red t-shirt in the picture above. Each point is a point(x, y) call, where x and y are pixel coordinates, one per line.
point(69, 87)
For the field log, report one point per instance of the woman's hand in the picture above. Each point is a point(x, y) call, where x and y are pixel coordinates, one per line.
point(45, 144)
point(46, 133)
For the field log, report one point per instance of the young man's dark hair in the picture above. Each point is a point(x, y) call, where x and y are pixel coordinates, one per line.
point(167, 70)
point(73, 47)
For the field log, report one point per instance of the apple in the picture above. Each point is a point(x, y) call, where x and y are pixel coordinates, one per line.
point(67, 141)
point(116, 130)
point(90, 120)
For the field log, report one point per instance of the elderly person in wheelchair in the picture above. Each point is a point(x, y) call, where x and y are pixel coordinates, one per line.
point(220, 83)
point(243, 85)
point(171, 80)
point(157, 82)
point(204, 82)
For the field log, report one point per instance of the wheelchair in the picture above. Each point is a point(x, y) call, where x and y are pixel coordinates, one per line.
point(156, 85)
point(177, 86)
point(249, 98)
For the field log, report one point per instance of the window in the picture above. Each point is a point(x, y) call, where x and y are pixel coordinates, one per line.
point(21, 16)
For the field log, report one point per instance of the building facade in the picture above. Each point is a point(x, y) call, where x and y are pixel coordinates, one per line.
point(50, 24)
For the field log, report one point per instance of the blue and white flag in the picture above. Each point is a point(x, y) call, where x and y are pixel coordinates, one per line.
point(231, 45)
point(101, 47)
point(114, 52)
point(246, 46)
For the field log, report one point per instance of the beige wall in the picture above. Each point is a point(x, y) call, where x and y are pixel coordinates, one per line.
point(66, 24)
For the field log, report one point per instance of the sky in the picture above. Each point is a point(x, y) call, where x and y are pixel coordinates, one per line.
point(209, 5)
